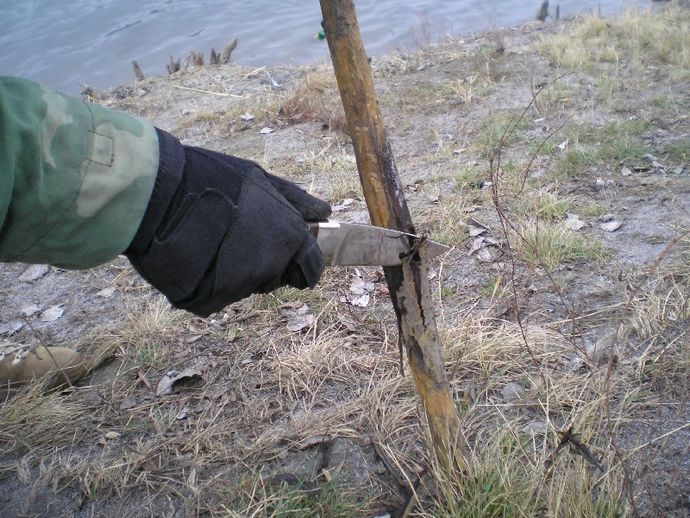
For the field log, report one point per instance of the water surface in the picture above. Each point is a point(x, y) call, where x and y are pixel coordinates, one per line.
point(65, 44)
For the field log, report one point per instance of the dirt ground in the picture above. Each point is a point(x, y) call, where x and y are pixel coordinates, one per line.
point(553, 157)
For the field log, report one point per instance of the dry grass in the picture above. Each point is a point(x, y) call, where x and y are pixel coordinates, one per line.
point(658, 315)
point(284, 423)
point(342, 175)
point(544, 204)
point(548, 245)
point(551, 98)
point(315, 99)
point(270, 397)
point(636, 37)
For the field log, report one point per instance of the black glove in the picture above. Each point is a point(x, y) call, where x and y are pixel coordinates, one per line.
point(219, 228)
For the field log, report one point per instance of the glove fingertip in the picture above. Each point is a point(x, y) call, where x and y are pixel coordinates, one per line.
point(317, 211)
point(306, 266)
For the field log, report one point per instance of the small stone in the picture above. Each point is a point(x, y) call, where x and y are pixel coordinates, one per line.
point(611, 226)
point(111, 436)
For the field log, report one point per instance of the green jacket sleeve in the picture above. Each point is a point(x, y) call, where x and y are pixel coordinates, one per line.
point(75, 178)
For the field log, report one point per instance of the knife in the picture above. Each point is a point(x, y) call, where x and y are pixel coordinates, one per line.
point(350, 244)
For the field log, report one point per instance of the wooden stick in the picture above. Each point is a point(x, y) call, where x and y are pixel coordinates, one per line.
point(408, 284)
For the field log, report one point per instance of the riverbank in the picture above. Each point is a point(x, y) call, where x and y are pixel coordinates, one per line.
point(553, 157)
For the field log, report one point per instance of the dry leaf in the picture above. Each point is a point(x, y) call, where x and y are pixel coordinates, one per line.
point(171, 380)
point(29, 310)
point(361, 301)
point(266, 130)
point(476, 231)
point(11, 327)
point(298, 314)
point(314, 440)
point(477, 244)
point(51, 314)
point(106, 293)
point(358, 286)
point(142, 377)
point(358, 291)
point(485, 256)
point(573, 222)
point(299, 322)
point(33, 272)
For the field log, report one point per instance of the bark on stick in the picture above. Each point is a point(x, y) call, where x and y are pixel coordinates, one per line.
point(408, 284)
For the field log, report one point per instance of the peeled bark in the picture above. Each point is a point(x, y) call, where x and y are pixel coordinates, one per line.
point(408, 284)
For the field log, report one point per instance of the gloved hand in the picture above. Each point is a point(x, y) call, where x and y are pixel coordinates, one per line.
point(219, 228)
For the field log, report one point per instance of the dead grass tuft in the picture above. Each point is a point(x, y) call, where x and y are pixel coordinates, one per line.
point(635, 36)
point(315, 99)
point(548, 245)
point(544, 204)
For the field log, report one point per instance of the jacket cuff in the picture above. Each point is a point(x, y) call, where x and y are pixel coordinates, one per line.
point(171, 161)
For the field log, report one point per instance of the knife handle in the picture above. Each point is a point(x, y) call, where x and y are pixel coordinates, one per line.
point(313, 227)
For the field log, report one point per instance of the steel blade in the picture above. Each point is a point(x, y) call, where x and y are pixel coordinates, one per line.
point(350, 244)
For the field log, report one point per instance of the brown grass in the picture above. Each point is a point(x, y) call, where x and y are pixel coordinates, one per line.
point(315, 99)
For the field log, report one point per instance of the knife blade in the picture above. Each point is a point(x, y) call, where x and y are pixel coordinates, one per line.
point(351, 244)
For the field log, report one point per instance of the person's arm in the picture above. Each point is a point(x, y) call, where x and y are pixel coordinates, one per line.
point(75, 178)
point(80, 184)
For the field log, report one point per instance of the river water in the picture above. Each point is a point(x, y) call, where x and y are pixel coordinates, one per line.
point(67, 43)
